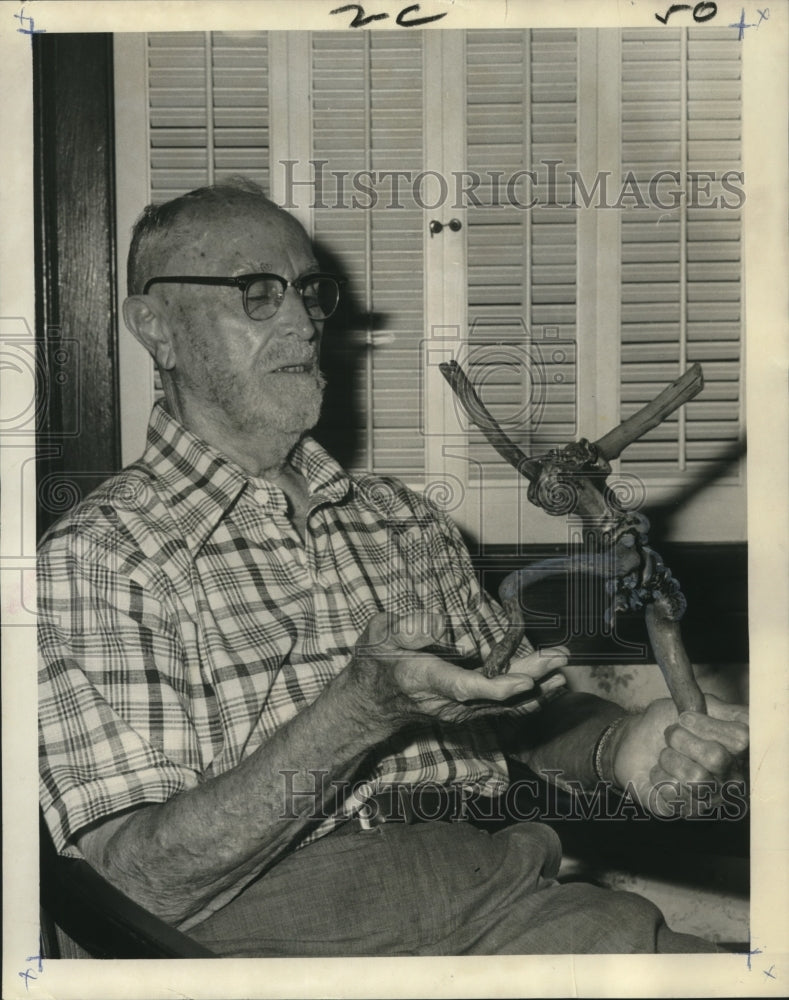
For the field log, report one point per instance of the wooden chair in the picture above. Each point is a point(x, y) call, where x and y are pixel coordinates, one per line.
point(83, 916)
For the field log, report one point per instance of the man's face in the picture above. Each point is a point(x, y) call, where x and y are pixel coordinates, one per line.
point(244, 374)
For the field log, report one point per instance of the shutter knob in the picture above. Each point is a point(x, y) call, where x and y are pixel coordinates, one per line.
point(436, 226)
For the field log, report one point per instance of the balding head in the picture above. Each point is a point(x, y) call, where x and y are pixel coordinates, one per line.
point(165, 235)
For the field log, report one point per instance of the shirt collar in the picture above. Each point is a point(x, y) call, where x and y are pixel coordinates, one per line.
point(200, 485)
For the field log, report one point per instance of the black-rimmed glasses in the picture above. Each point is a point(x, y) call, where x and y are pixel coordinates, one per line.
point(264, 293)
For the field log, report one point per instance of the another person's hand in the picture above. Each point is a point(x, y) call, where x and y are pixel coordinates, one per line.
point(676, 763)
point(400, 681)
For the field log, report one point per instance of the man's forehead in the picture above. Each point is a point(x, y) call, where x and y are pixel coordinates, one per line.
point(257, 237)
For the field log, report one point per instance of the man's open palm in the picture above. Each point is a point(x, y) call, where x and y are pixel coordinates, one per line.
point(406, 681)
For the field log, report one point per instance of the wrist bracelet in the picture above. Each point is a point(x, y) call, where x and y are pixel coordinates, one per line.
point(603, 766)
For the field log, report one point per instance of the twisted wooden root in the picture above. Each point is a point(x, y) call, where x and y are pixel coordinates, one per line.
point(572, 480)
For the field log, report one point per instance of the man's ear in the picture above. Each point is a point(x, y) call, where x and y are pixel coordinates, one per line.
point(145, 317)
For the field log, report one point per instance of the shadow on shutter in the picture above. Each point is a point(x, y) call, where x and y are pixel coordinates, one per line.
point(367, 116)
point(681, 264)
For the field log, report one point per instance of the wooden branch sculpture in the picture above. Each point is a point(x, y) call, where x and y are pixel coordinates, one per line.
point(572, 480)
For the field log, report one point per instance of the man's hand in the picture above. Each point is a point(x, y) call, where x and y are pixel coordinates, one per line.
point(400, 681)
point(663, 756)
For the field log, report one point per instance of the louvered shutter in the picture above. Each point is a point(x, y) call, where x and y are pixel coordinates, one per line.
point(680, 281)
point(208, 109)
point(367, 116)
point(675, 281)
point(521, 113)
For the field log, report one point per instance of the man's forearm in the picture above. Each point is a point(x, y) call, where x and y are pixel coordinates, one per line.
point(564, 736)
point(204, 845)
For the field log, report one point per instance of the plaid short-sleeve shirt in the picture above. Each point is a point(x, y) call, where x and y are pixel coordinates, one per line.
point(182, 621)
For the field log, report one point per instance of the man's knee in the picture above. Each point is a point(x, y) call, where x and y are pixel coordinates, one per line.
point(588, 918)
point(629, 907)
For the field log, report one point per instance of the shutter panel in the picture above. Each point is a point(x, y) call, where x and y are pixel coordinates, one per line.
point(241, 106)
point(521, 112)
point(680, 265)
point(680, 287)
point(178, 119)
point(208, 109)
point(367, 115)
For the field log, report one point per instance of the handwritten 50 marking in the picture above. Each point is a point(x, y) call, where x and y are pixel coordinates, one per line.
point(701, 12)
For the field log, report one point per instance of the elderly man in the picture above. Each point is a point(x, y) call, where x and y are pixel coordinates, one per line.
point(235, 634)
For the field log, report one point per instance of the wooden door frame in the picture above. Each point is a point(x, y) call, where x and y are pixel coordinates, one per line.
point(78, 429)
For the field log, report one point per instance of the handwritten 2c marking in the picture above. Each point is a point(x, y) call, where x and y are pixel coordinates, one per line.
point(701, 12)
point(361, 20)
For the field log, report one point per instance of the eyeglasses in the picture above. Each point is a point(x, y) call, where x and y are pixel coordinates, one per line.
point(263, 294)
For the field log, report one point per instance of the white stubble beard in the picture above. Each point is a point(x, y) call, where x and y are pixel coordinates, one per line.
point(285, 408)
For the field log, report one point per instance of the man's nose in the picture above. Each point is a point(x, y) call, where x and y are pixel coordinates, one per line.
point(294, 318)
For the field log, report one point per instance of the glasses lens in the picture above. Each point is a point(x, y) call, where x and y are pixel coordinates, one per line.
point(320, 296)
point(264, 297)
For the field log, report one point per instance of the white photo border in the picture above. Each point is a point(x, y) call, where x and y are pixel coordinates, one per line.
point(764, 972)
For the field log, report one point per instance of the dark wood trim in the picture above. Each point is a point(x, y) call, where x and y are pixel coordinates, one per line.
point(76, 271)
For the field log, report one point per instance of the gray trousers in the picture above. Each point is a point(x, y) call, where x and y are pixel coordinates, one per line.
point(434, 889)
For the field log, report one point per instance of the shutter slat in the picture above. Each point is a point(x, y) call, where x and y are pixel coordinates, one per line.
point(522, 270)
point(657, 308)
point(184, 102)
